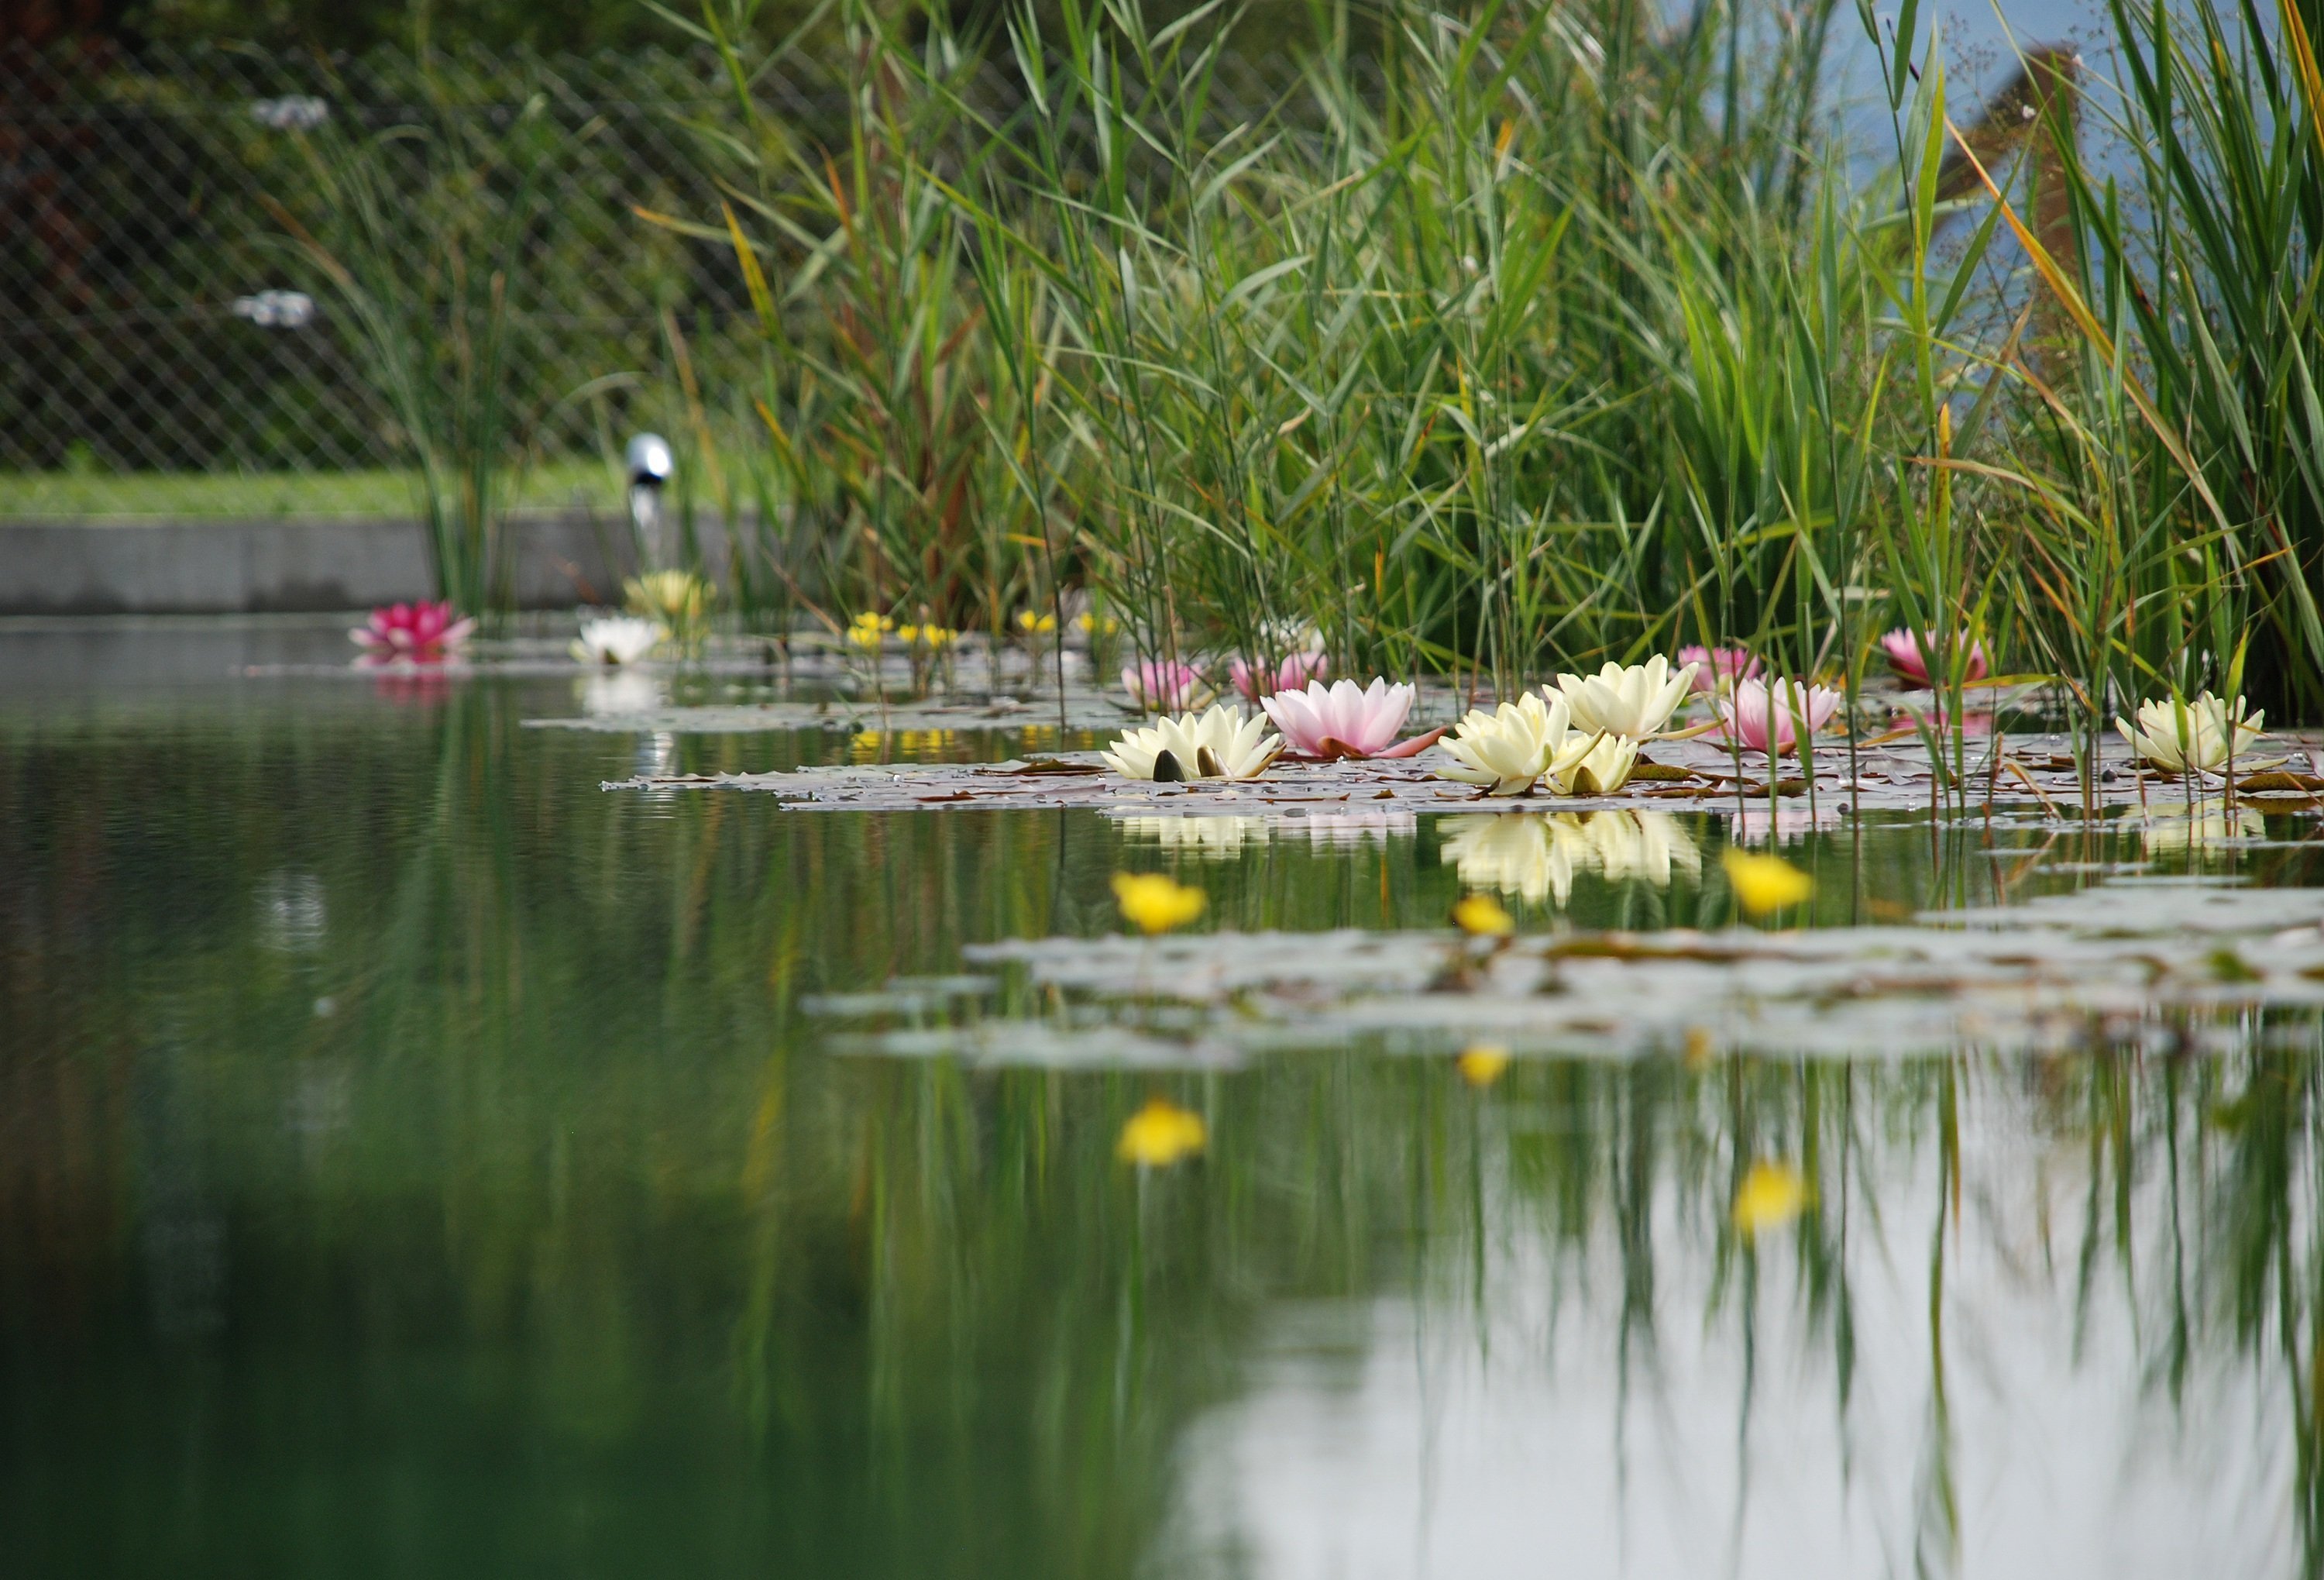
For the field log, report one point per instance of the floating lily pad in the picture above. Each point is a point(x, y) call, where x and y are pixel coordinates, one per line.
point(2141, 965)
point(2040, 788)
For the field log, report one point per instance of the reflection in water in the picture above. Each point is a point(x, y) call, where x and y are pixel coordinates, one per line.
point(1210, 839)
point(1756, 825)
point(1535, 855)
point(564, 1242)
point(621, 691)
point(1225, 837)
point(2203, 829)
point(293, 915)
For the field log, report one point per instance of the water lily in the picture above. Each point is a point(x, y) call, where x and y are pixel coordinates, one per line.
point(423, 631)
point(1905, 657)
point(616, 639)
point(1154, 903)
point(1763, 883)
point(1601, 771)
point(1159, 1134)
point(1766, 717)
point(1717, 668)
point(2203, 735)
point(1342, 721)
point(1034, 623)
point(1165, 686)
point(870, 630)
point(1295, 671)
point(1634, 701)
point(1504, 751)
point(678, 596)
point(1771, 1196)
point(1218, 744)
point(929, 637)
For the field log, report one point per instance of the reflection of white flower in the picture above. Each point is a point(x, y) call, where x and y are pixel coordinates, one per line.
point(1536, 856)
point(1218, 744)
point(1634, 701)
point(2189, 833)
point(1207, 839)
point(1648, 846)
point(1752, 824)
point(1344, 828)
point(617, 639)
point(2180, 735)
point(616, 692)
point(293, 915)
point(1504, 751)
point(1601, 771)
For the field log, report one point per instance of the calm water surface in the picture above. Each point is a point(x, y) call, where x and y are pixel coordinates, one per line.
point(415, 1160)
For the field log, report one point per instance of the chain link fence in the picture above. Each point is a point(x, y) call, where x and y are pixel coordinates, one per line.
point(161, 321)
point(163, 327)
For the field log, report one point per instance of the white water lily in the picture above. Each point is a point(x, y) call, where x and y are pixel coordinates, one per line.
point(1504, 751)
point(1602, 769)
point(1636, 700)
point(1218, 744)
point(2178, 736)
point(618, 639)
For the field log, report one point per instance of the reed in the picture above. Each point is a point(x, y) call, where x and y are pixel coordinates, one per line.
point(1511, 337)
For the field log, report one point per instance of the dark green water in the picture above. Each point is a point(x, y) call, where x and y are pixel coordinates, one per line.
point(414, 1160)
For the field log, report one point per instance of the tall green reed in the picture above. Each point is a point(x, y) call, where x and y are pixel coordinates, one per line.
point(433, 324)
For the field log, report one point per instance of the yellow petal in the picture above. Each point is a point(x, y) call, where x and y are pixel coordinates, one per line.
point(1159, 1134)
point(1481, 1063)
point(1763, 883)
point(1154, 903)
point(1481, 915)
point(1770, 1196)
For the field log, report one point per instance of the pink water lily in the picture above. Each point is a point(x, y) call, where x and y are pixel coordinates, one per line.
point(1344, 721)
point(1718, 667)
point(1766, 719)
point(1165, 686)
point(1904, 656)
point(423, 631)
point(1298, 670)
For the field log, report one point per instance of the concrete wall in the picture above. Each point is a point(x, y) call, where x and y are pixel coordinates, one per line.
point(226, 567)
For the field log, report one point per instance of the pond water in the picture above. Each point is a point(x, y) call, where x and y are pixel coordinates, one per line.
point(415, 1160)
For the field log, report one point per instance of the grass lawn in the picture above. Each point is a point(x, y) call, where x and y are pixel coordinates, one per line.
point(143, 495)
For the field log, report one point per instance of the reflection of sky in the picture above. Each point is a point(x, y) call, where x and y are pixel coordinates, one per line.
point(1407, 1437)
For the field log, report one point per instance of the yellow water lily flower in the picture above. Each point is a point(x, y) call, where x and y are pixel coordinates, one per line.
point(1634, 701)
point(1771, 1196)
point(1153, 903)
point(1159, 1134)
point(1481, 1063)
point(1504, 751)
point(1602, 769)
point(1030, 622)
point(870, 630)
point(678, 598)
point(1763, 883)
point(1218, 744)
point(2178, 736)
point(1480, 916)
